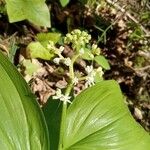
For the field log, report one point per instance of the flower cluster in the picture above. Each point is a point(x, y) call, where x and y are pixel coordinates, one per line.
point(51, 47)
point(58, 52)
point(90, 76)
point(62, 97)
point(95, 50)
point(100, 71)
point(91, 73)
point(77, 40)
point(66, 61)
point(77, 37)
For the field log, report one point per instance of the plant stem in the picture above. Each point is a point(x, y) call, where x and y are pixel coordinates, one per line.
point(64, 109)
point(71, 69)
point(63, 118)
point(62, 127)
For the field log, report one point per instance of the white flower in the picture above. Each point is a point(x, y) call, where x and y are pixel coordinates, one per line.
point(58, 94)
point(61, 48)
point(65, 99)
point(81, 42)
point(100, 71)
point(94, 46)
point(88, 38)
point(67, 61)
point(93, 73)
point(89, 69)
point(90, 77)
point(81, 51)
point(89, 81)
point(75, 37)
point(56, 60)
point(75, 81)
point(76, 31)
point(61, 97)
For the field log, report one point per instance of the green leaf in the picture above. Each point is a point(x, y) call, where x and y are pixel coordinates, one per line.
point(12, 50)
point(102, 61)
point(52, 112)
point(64, 2)
point(22, 125)
point(30, 67)
point(87, 54)
point(35, 11)
point(37, 50)
point(44, 38)
point(98, 119)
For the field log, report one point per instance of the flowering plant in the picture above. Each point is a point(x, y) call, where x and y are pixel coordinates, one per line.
point(96, 119)
point(80, 125)
point(79, 43)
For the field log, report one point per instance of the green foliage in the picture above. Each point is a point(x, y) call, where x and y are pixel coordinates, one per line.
point(2, 8)
point(52, 112)
point(87, 54)
point(64, 2)
point(22, 123)
point(98, 119)
point(103, 35)
point(145, 16)
point(102, 61)
point(30, 67)
point(12, 50)
point(37, 50)
point(136, 34)
point(44, 38)
point(35, 11)
point(95, 118)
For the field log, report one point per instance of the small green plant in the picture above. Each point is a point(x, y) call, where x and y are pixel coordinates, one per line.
point(34, 11)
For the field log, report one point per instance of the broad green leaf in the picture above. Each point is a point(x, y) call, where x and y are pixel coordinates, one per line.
point(22, 124)
point(64, 2)
point(52, 112)
point(35, 11)
point(98, 119)
point(37, 50)
point(44, 38)
point(102, 61)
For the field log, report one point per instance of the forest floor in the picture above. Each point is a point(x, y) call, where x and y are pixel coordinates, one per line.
point(121, 30)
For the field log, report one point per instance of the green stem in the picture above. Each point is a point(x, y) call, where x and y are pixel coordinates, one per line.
point(71, 69)
point(82, 78)
point(63, 117)
point(62, 127)
point(64, 109)
point(103, 35)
